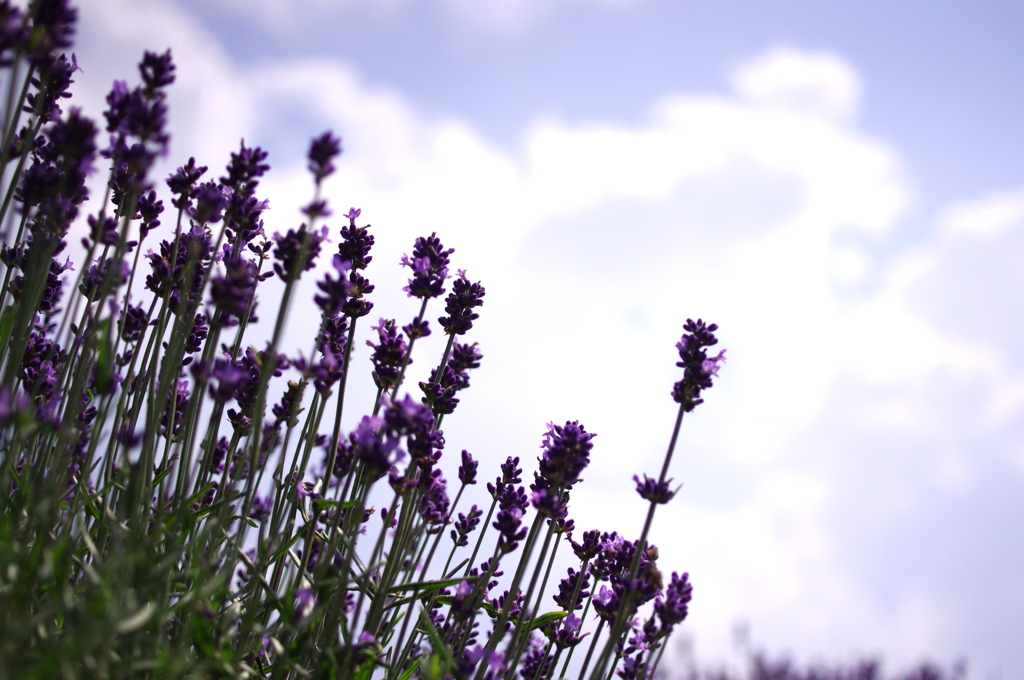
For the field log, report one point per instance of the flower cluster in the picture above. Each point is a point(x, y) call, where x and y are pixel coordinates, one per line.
point(182, 493)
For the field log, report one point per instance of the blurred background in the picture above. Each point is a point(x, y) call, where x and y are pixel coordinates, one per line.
point(838, 185)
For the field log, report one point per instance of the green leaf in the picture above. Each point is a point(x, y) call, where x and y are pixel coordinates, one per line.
point(104, 358)
point(545, 619)
point(6, 325)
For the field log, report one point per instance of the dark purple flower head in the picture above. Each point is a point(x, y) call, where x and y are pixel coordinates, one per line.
point(183, 182)
point(157, 71)
point(376, 450)
point(652, 490)
point(14, 32)
point(389, 354)
point(465, 525)
point(356, 305)
point(510, 474)
point(548, 504)
point(698, 368)
point(53, 23)
point(296, 251)
point(200, 329)
point(52, 83)
point(333, 335)
point(355, 242)
point(536, 662)
point(287, 411)
point(459, 305)
point(440, 395)
point(244, 169)
point(210, 203)
point(467, 471)
point(335, 290)
point(232, 291)
point(180, 267)
point(429, 264)
point(104, 276)
point(322, 151)
point(675, 605)
point(417, 328)
point(407, 418)
point(149, 209)
point(566, 454)
point(588, 548)
point(572, 590)
point(509, 523)
point(133, 322)
point(463, 359)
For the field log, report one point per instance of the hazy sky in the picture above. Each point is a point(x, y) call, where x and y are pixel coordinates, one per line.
point(840, 188)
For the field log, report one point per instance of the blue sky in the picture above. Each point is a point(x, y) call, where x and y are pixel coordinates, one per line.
point(839, 187)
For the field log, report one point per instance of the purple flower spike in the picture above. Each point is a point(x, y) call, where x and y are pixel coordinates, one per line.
point(429, 264)
point(182, 183)
point(566, 454)
point(467, 471)
point(652, 490)
point(388, 354)
point(292, 247)
point(322, 151)
point(335, 291)
point(675, 606)
point(698, 367)
point(459, 305)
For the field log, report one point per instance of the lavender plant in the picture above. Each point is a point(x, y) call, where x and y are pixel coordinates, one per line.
point(178, 501)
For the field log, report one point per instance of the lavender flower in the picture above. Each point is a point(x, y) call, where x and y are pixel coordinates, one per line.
point(654, 491)
point(322, 151)
point(465, 525)
point(566, 453)
point(355, 242)
point(335, 291)
point(459, 305)
point(698, 368)
point(183, 182)
point(467, 471)
point(429, 264)
point(673, 609)
point(296, 251)
point(389, 354)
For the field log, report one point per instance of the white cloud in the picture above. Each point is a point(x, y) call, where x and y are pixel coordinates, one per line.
point(819, 84)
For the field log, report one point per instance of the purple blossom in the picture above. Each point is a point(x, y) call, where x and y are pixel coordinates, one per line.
point(465, 525)
point(429, 264)
point(566, 454)
point(245, 169)
point(355, 242)
point(356, 306)
point(233, 291)
point(183, 182)
point(698, 368)
point(377, 451)
point(296, 251)
point(210, 202)
point(417, 328)
point(322, 151)
point(653, 490)
point(133, 322)
point(389, 353)
point(52, 83)
point(335, 290)
point(588, 548)
point(467, 470)
point(459, 305)
point(568, 586)
point(674, 607)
